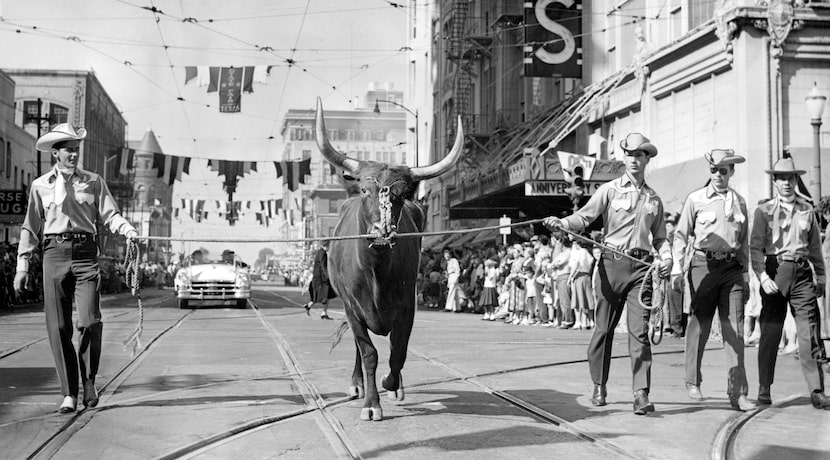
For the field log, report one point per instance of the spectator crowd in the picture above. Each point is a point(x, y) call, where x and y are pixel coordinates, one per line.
point(548, 281)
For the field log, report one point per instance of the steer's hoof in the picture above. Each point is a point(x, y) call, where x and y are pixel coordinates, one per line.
point(371, 413)
point(356, 391)
point(396, 395)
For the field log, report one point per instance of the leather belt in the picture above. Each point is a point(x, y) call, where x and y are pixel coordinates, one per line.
point(789, 258)
point(81, 237)
point(640, 254)
point(717, 255)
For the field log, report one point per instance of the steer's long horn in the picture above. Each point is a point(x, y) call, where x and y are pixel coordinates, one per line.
point(330, 153)
point(435, 170)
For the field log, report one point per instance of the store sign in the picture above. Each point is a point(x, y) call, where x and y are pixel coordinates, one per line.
point(12, 206)
point(556, 187)
point(553, 43)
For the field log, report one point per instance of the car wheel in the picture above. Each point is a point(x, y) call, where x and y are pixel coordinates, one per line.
point(242, 303)
point(183, 303)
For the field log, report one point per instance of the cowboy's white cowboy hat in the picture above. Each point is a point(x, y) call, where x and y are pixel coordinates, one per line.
point(636, 141)
point(60, 133)
point(785, 166)
point(723, 157)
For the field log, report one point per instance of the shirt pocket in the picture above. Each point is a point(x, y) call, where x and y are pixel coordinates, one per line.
point(622, 203)
point(46, 193)
point(803, 220)
point(707, 217)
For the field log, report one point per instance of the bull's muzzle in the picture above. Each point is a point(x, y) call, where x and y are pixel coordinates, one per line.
point(381, 237)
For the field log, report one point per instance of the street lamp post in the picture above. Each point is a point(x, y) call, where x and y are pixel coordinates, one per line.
point(415, 114)
point(815, 106)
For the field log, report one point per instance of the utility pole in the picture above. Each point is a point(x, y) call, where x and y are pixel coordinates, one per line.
point(38, 120)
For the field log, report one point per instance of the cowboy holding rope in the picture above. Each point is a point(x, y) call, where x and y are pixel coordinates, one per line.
point(716, 217)
point(65, 206)
point(633, 217)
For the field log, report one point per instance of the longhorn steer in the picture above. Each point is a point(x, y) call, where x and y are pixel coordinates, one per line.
point(376, 278)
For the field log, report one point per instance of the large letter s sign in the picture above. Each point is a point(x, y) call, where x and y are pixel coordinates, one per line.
point(567, 38)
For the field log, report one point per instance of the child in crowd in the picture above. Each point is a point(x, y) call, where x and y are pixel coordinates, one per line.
point(530, 295)
point(581, 265)
point(433, 290)
point(489, 297)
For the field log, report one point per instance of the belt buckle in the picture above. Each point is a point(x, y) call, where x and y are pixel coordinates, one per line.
point(61, 237)
point(80, 237)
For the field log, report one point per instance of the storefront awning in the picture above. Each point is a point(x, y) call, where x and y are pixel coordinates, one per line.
point(433, 242)
point(462, 239)
point(486, 236)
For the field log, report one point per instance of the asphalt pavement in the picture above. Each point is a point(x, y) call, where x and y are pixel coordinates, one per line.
point(265, 382)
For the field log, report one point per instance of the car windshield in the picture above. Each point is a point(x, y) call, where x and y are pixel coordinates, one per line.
point(217, 262)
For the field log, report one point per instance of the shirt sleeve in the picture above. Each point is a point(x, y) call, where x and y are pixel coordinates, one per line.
point(684, 228)
point(743, 239)
point(108, 210)
point(757, 241)
point(814, 243)
point(658, 234)
point(594, 208)
point(31, 230)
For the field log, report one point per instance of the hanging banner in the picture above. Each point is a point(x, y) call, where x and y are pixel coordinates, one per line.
point(553, 43)
point(230, 90)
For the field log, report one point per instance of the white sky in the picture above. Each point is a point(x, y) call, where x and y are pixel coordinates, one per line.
point(340, 47)
point(338, 44)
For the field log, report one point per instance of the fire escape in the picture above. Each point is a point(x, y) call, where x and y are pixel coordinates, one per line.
point(465, 49)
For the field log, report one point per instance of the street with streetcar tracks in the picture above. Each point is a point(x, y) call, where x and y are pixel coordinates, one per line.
point(263, 382)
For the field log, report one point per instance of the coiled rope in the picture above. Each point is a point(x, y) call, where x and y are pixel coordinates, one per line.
point(133, 279)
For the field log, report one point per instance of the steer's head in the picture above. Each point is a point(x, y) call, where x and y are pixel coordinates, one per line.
point(383, 188)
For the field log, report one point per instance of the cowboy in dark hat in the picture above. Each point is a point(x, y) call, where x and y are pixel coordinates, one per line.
point(716, 217)
point(783, 247)
point(65, 207)
point(634, 225)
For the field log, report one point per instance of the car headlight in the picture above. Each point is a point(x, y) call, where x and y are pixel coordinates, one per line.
point(243, 280)
point(183, 278)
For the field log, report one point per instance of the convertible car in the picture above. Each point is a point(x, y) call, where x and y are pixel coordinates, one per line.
point(206, 282)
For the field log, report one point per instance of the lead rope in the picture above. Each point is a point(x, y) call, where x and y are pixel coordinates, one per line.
point(386, 225)
point(133, 280)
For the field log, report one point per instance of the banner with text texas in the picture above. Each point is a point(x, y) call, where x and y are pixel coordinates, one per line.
point(553, 38)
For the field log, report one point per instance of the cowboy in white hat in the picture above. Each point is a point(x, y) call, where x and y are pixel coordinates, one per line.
point(633, 215)
point(784, 245)
point(716, 218)
point(65, 206)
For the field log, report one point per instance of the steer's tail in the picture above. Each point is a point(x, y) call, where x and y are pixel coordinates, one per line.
point(338, 334)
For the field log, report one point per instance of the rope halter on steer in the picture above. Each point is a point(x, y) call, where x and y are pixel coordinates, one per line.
point(133, 279)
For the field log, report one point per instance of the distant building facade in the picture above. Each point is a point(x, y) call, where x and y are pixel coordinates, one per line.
point(362, 134)
point(17, 166)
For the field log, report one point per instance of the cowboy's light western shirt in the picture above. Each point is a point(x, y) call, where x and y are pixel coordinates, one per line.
point(782, 230)
point(86, 200)
point(717, 222)
point(633, 216)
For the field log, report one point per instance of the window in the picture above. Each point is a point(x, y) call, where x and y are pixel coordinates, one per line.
point(15, 177)
point(393, 157)
point(332, 134)
point(2, 154)
point(333, 207)
point(8, 159)
point(365, 135)
point(29, 112)
point(349, 134)
point(58, 114)
point(403, 158)
point(378, 135)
